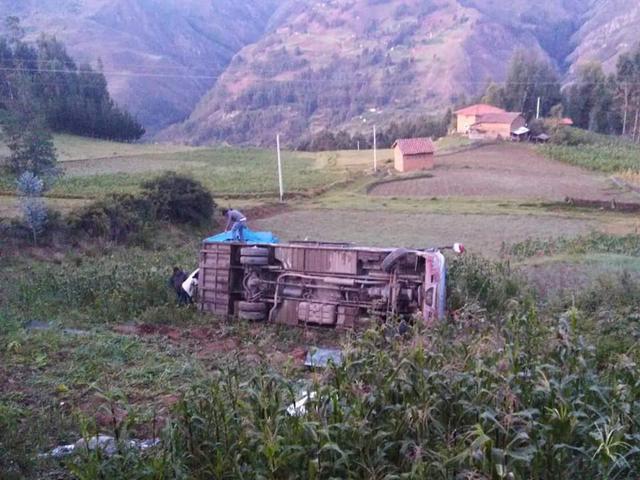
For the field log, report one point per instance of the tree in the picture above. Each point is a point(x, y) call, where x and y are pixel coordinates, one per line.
point(31, 146)
point(43, 79)
point(589, 101)
point(494, 95)
point(528, 79)
point(13, 26)
point(628, 89)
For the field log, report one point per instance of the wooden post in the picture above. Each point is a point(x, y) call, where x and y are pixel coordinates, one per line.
point(375, 151)
point(280, 169)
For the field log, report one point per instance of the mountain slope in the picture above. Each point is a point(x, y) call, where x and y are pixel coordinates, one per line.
point(346, 63)
point(609, 29)
point(159, 56)
point(241, 71)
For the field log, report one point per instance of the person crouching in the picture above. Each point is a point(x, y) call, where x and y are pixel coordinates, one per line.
point(236, 222)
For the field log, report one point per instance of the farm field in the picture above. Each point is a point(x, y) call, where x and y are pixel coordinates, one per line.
point(72, 147)
point(225, 171)
point(507, 171)
point(482, 234)
point(92, 339)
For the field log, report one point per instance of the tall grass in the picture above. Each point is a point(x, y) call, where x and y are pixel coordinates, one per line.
point(431, 405)
point(111, 287)
point(502, 391)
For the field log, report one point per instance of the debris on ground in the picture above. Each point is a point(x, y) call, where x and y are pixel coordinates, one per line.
point(320, 357)
point(37, 325)
point(299, 408)
point(107, 444)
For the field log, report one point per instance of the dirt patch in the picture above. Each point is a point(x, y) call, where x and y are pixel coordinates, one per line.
point(211, 342)
point(265, 211)
point(507, 171)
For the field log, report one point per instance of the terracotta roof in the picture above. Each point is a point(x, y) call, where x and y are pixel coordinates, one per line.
point(504, 117)
point(414, 146)
point(479, 109)
point(566, 121)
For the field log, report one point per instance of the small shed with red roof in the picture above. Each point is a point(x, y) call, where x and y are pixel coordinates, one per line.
point(411, 154)
point(465, 117)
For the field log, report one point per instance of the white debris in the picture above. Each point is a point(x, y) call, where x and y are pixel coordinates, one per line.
point(106, 443)
point(298, 408)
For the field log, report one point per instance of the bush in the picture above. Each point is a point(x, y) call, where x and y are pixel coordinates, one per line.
point(573, 137)
point(180, 199)
point(170, 197)
point(115, 218)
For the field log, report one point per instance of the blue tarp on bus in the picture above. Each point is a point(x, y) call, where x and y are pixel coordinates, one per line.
point(250, 237)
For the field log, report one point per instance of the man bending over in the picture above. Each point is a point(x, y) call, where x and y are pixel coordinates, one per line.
point(236, 222)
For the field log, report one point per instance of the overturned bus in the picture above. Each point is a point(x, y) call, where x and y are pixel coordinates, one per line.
point(320, 284)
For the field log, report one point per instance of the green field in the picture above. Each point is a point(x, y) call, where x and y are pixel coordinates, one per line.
point(94, 168)
point(223, 171)
point(596, 152)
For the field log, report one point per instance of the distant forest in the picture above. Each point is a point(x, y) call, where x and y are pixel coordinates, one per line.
point(42, 80)
point(424, 126)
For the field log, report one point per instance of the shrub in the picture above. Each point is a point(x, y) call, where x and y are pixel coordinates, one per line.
point(180, 199)
point(573, 137)
point(115, 218)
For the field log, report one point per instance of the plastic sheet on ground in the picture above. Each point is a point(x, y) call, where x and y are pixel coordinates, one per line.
point(320, 357)
point(107, 444)
point(299, 407)
point(250, 237)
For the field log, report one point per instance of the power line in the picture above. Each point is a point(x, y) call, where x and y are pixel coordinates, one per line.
point(268, 79)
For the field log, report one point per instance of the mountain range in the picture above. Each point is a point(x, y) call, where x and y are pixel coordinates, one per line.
point(210, 71)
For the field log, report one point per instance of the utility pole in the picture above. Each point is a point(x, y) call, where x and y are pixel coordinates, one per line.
point(375, 151)
point(538, 109)
point(280, 169)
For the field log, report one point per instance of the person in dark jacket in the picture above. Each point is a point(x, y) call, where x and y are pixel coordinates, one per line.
point(175, 282)
point(236, 222)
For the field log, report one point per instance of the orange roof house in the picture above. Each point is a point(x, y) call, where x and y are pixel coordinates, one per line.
point(465, 117)
point(497, 125)
point(411, 154)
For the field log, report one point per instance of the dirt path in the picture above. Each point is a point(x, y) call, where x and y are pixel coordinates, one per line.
point(506, 171)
